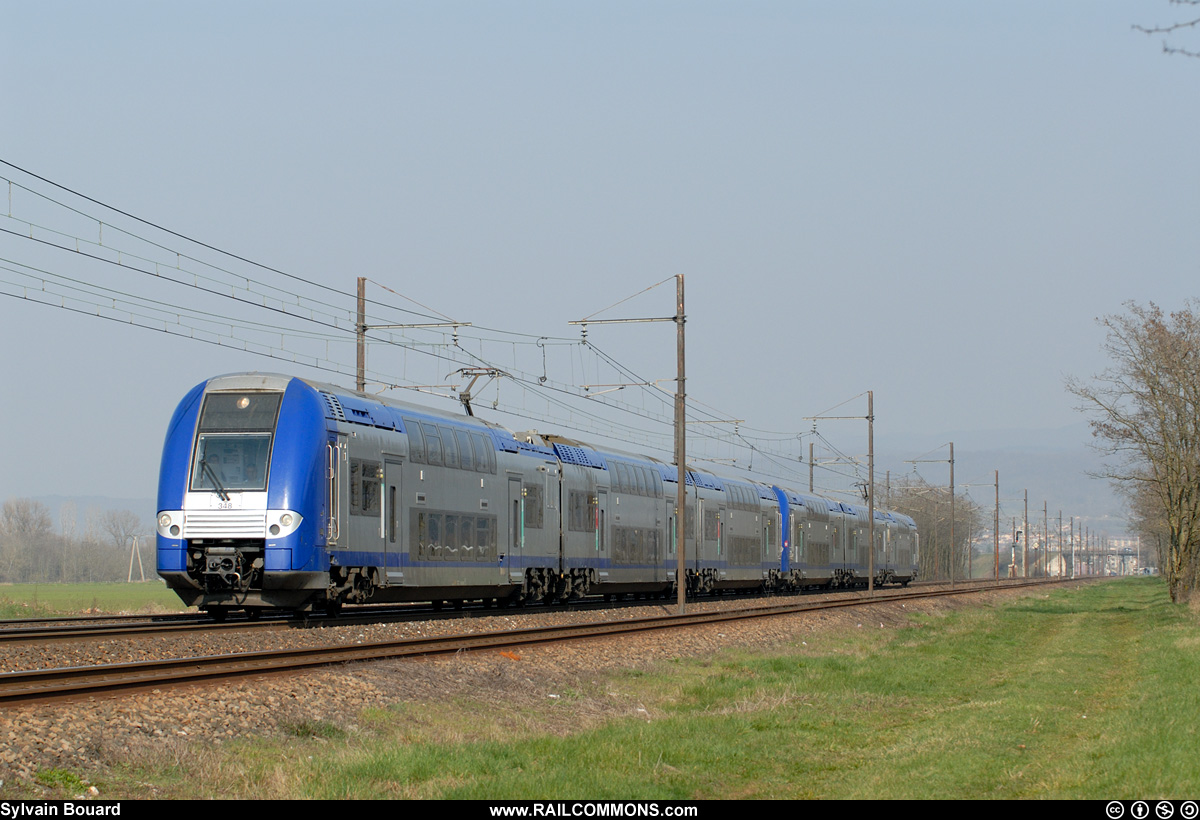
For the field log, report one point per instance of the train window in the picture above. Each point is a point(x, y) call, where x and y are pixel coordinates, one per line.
point(711, 525)
point(581, 514)
point(535, 505)
point(355, 486)
point(416, 441)
point(231, 462)
point(483, 453)
point(450, 536)
point(466, 460)
point(239, 411)
point(433, 444)
point(450, 446)
point(435, 534)
point(483, 537)
point(370, 488)
point(639, 480)
point(419, 532)
point(391, 507)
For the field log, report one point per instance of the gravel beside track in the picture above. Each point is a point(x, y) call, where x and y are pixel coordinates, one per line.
point(100, 731)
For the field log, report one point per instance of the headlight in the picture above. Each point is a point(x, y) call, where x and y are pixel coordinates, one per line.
point(282, 523)
point(170, 523)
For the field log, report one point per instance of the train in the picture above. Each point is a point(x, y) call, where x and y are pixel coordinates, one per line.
point(280, 493)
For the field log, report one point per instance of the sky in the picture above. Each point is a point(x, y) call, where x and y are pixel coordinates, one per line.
point(933, 201)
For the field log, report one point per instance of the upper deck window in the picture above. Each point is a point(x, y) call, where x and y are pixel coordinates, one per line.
point(229, 412)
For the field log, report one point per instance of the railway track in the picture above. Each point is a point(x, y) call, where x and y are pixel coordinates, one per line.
point(89, 681)
point(36, 630)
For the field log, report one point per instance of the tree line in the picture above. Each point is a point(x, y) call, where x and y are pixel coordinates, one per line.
point(941, 551)
point(1144, 411)
point(31, 551)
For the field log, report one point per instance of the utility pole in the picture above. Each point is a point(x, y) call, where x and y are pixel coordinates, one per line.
point(952, 521)
point(951, 550)
point(1045, 536)
point(135, 549)
point(871, 491)
point(680, 451)
point(679, 319)
point(870, 480)
point(1072, 547)
point(361, 332)
point(1025, 556)
point(996, 529)
point(810, 467)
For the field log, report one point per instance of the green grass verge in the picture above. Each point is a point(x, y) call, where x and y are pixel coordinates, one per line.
point(1079, 694)
point(38, 600)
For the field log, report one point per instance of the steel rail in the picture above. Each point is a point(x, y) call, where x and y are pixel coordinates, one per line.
point(73, 682)
point(40, 630)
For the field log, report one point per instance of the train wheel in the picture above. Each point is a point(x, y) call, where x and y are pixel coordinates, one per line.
point(333, 608)
point(218, 613)
point(253, 614)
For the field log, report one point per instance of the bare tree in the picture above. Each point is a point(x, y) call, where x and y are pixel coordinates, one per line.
point(25, 530)
point(120, 526)
point(1145, 416)
point(1189, 22)
point(929, 506)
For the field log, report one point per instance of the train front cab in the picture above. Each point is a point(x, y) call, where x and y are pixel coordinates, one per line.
point(240, 507)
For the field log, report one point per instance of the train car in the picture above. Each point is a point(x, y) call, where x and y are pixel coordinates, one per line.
point(278, 492)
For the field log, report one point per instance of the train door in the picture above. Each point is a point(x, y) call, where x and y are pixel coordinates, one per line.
point(391, 521)
point(765, 550)
point(339, 494)
point(722, 555)
point(333, 484)
point(602, 531)
point(516, 529)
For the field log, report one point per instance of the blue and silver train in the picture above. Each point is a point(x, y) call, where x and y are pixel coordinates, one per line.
point(278, 492)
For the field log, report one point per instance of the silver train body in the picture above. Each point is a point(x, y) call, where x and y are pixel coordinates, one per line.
point(280, 492)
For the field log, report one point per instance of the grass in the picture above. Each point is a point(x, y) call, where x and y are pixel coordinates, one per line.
point(38, 600)
point(1078, 694)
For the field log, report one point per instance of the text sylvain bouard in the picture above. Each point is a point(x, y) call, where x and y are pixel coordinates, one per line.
point(64, 809)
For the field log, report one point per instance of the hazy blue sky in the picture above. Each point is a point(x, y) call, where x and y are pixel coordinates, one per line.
point(931, 200)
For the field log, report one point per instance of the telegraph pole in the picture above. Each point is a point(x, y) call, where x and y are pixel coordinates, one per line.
point(871, 491)
point(680, 451)
point(680, 318)
point(870, 479)
point(810, 467)
point(361, 332)
point(1025, 557)
point(996, 529)
point(952, 522)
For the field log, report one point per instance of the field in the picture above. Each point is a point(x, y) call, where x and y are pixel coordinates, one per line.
point(1085, 693)
point(38, 600)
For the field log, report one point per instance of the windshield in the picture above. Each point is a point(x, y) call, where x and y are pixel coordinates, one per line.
point(226, 461)
point(233, 444)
